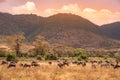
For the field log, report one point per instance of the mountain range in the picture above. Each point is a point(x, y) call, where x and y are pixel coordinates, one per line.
point(67, 29)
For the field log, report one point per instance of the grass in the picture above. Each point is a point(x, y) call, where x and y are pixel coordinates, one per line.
point(53, 72)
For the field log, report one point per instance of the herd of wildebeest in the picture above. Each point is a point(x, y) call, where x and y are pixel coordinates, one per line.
point(61, 64)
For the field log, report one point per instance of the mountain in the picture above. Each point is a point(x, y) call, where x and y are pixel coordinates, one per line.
point(67, 29)
point(112, 30)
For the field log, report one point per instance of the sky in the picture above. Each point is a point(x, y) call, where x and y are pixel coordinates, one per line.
point(98, 11)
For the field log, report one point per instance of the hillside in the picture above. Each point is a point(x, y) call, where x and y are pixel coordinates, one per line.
point(67, 29)
point(112, 30)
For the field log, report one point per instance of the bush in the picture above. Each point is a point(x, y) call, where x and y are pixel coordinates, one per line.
point(81, 54)
point(39, 58)
point(78, 52)
point(11, 57)
point(83, 57)
point(50, 57)
point(2, 53)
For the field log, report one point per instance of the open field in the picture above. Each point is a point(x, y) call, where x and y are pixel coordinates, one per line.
point(52, 72)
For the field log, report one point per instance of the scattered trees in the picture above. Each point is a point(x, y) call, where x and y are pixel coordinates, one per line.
point(15, 42)
point(41, 46)
point(41, 49)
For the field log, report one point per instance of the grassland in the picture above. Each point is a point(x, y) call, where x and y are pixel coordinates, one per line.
point(53, 72)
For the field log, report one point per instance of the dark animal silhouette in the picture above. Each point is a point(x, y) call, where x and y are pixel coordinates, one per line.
point(105, 65)
point(34, 63)
point(27, 65)
point(50, 62)
point(11, 65)
point(4, 62)
point(61, 65)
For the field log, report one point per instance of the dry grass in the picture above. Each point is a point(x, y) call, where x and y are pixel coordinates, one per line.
point(53, 72)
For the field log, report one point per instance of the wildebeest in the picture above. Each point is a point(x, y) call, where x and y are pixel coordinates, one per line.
point(65, 63)
point(34, 63)
point(115, 66)
point(74, 62)
point(12, 64)
point(94, 65)
point(79, 63)
point(60, 65)
point(27, 65)
point(105, 65)
point(83, 64)
point(4, 62)
point(50, 62)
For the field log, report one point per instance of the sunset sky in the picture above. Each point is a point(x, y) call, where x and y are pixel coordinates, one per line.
point(97, 11)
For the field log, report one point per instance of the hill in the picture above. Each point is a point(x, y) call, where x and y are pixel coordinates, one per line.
point(67, 29)
point(112, 30)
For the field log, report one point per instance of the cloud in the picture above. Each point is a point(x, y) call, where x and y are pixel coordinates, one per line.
point(71, 8)
point(89, 10)
point(99, 17)
point(27, 8)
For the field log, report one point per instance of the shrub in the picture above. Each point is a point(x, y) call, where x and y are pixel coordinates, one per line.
point(50, 57)
point(11, 57)
point(81, 54)
point(83, 57)
point(39, 57)
point(78, 52)
point(2, 53)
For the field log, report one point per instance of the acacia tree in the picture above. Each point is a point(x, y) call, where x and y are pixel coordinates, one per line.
point(15, 42)
point(41, 45)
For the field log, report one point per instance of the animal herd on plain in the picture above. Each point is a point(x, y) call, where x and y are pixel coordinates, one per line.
point(61, 64)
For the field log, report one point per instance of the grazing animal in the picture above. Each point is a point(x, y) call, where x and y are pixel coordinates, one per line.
point(4, 62)
point(65, 63)
point(74, 62)
point(60, 65)
point(79, 63)
point(100, 62)
point(27, 65)
point(94, 65)
point(21, 64)
point(83, 64)
point(50, 62)
point(11, 65)
point(105, 65)
point(116, 66)
point(34, 63)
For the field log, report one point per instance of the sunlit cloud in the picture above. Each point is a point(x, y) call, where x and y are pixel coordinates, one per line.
point(99, 17)
point(71, 8)
point(89, 10)
point(28, 7)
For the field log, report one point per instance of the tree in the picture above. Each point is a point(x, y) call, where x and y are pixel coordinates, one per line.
point(41, 45)
point(81, 54)
point(62, 51)
point(15, 42)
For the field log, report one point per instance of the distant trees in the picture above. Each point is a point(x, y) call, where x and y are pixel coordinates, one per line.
point(41, 46)
point(41, 49)
point(63, 51)
point(15, 42)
